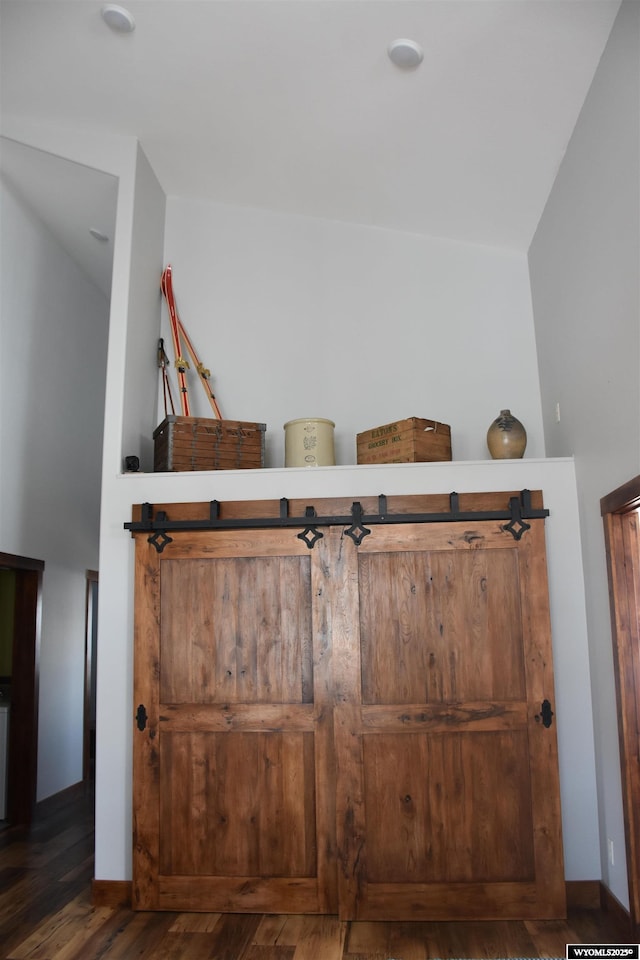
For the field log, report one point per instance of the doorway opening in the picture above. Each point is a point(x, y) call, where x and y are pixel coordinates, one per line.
point(621, 515)
point(90, 653)
point(21, 618)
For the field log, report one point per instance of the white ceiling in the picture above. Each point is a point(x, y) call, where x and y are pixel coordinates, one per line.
point(294, 106)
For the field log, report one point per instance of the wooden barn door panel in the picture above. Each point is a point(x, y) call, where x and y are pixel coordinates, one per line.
point(448, 793)
point(234, 792)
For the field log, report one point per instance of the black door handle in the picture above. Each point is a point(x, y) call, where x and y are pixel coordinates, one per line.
point(141, 717)
point(546, 714)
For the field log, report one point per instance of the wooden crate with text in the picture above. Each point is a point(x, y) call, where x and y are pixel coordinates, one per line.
point(405, 441)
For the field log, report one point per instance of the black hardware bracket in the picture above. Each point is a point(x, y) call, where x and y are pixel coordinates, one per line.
point(141, 717)
point(357, 522)
point(546, 714)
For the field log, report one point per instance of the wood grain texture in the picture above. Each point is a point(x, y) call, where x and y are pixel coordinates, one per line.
point(237, 765)
point(259, 651)
point(193, 443)
point(434, 815)
point(406, 441)
point(111, 893)
point(146, 798)
point(235, 805)
point(428, 613)
point(452, 806)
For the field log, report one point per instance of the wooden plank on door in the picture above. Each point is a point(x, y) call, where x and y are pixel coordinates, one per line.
point(448, 790)
point(234, 780)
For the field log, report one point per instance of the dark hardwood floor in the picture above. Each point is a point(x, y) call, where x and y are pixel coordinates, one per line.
point(46, 914)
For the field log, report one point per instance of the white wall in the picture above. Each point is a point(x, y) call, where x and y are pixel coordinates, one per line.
point(141, 369)
point(311, 318)
point(584, 263)
point(132, 373)
point(53, 325)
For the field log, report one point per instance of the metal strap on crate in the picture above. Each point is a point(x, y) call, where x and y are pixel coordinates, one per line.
point(357, 522)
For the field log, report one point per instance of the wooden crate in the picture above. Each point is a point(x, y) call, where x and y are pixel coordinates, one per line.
point(406, 441)
point(195, 443)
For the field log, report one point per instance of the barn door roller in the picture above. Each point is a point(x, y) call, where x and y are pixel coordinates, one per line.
point(357, 523)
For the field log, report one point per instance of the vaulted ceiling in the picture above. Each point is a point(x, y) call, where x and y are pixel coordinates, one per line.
point(294, 105)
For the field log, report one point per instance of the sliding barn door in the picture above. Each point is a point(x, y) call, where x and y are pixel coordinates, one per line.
point(234, 790)
point(447, 785)
point(364, 728)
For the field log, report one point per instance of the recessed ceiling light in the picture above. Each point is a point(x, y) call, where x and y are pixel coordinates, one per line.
point(405, 53)
point(98, 235)
point(118, 18)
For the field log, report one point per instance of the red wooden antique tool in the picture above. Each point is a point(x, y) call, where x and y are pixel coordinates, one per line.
point(202, 371)
point(178, 331)
point(181, 364)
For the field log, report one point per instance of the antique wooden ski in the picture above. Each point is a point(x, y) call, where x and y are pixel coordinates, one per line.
point(178, 331)
point(166, 285)
point(202, 371)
